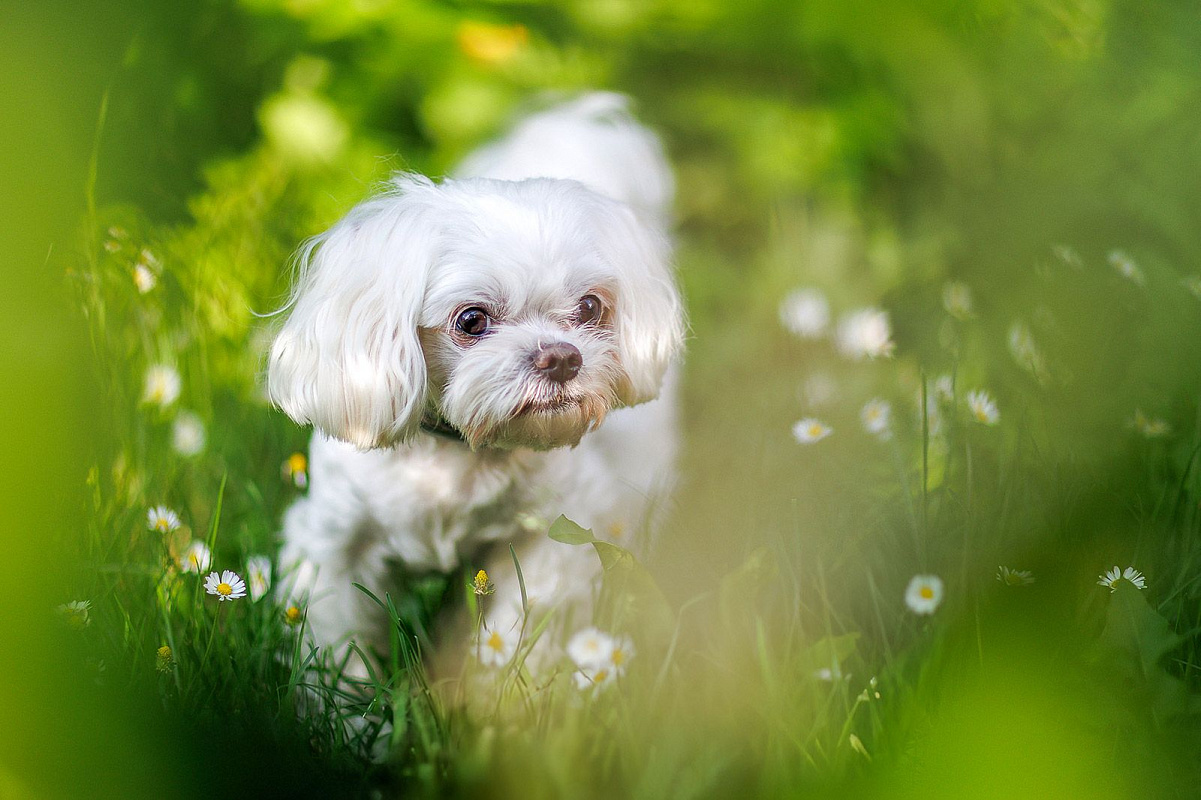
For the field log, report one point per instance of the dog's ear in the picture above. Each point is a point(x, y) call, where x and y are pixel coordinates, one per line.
point(348, 359)
point(649, 319)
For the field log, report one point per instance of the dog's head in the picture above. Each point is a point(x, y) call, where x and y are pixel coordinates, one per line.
point(518, 313)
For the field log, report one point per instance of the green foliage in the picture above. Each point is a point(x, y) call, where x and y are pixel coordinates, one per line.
point(1042, 155)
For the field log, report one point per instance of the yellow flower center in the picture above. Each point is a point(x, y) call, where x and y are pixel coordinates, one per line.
point(160, 525)
point(495, 642)
point(164, 652)
point(815, 430)
point(618, 657)
point(926, 593)
point(292, 615)
point(600, 676)
point(194, 560)
point(297, 463)
point(224, 589)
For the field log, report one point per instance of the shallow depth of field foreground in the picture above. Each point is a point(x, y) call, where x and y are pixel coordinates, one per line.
point(937, 530)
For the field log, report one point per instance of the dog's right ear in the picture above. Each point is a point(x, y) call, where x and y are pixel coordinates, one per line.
point(348, 359)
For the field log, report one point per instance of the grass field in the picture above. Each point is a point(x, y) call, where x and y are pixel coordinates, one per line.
point(944, 281)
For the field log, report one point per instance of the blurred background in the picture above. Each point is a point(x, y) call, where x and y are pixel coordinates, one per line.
point(1011, 185)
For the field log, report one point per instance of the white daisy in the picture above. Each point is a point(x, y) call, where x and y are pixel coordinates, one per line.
point(1114, 576)
point(226, 586)
point(983, 407)
point(591, 649)
point(144, 278)
point(805, 313)
point(810, 430)
point(620, 655)
point(1025, 351)
point(187, 434)
point(1150, 427)
point(196, 557)
point(594, 678)
point(77, 613)
point(496, 648)
point(162, 386)
point(957, 300)
point(944, 389)
point(865, 333)
point(1126, 267)
point(876, 417)
point(258, 574)
point(924, 594)
point(1014, 577)
point(162, 520)
point(1068, 255)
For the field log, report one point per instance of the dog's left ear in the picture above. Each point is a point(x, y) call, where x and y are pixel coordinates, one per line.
point(348, 359)
point(649, 320)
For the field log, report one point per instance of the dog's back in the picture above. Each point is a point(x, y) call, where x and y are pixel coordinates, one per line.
point(593, 139)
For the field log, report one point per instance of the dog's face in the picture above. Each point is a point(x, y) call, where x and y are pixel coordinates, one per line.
point(519, 313)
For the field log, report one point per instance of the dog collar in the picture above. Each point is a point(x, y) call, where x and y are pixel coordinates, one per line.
point(437, 426)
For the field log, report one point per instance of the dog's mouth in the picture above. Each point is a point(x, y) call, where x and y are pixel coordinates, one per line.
point(553, 405)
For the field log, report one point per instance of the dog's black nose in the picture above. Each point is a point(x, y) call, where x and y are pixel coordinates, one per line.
point(559, 361)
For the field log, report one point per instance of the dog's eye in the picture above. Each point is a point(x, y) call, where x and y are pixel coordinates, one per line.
point(589, 309)
point(473, 321)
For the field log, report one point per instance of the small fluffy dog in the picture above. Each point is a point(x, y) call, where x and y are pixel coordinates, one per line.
point(457, 347)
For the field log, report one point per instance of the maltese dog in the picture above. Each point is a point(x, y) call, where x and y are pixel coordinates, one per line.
point(478, 356)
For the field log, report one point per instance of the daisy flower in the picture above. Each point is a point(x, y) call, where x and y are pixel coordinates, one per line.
point(1068, 255)
point(195, 558)
point(226, 586)
point(594, 678)
point(876, 417)
point(865, 333)
point(805, 313)
point(496, 648)
point(187, 434)
point(1114, 576)
point(258, 575)
point(1014, 577)
point(1150, 428)
point(1025, 351)
point(162, 386)
point(162, 520)
point(163, 659)
point(944, 390)
point(591, 649)
point(293, 616)
point(77, 613)
point(957, 300)
point(481, 585)
point(296, 469)
point(1126, 267)
point(983, 407)
point(144, 278)
point(620, 655)
point(810, 430)
point(924, 593)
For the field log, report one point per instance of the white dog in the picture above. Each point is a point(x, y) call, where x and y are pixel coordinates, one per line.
point(457, 347)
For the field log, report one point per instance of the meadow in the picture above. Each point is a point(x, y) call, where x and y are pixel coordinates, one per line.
point(937, 531)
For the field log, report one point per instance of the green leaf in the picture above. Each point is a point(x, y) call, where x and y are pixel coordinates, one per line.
point(739, 591)
point(565, 531)
point(630, 593)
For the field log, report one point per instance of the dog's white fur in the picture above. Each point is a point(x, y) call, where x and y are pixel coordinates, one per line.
point(574, 201)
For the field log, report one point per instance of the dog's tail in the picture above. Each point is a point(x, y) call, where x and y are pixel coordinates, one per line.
point(592, 138)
